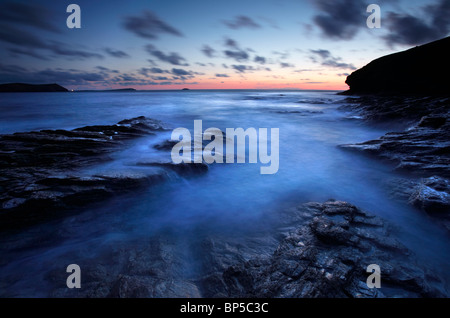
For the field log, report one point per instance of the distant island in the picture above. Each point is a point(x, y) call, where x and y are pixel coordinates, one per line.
point(28, 88)
point(185, 89)
point(419, 70)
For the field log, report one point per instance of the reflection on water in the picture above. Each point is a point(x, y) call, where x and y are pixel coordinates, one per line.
point(231, 199)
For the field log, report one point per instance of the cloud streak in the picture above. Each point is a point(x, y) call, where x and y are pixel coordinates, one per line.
point(149, 26)
point(242, 21)
point(406, 29)
point(171, 58)
point(27, 14)
point(116, 53)
point(208, 51)
point(340, 19)
point(325, 58)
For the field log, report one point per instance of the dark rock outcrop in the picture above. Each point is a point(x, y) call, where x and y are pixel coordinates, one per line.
point(30, 88)
point(410, 109)
point(328, 257)
point(40, 170)
point(423, 149)
point(313, 250)
point(420, 70)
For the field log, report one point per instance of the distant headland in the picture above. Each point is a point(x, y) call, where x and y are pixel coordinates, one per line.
point(28, 88)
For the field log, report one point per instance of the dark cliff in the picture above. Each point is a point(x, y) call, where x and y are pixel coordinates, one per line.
point(423, 69)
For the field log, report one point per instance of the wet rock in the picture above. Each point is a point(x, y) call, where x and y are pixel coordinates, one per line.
point(165, 145)
point(180, 168)
point(149, 287)
point(432, 195)
point(328, 257)
point(432, 121)
point(423, 149)
point(149, 268)
point(40, 170)
point(313, 250)
point(411, 109)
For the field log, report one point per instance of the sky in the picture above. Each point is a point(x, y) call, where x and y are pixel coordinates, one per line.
point(207, 44)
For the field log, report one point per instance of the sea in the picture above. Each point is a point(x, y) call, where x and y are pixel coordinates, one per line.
point(230, 198)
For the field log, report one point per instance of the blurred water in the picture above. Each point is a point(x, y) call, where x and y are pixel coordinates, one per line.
point(230, 198)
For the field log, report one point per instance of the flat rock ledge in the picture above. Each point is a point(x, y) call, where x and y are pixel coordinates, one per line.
point(40, 170)
point(328, 257)
point(315, 250)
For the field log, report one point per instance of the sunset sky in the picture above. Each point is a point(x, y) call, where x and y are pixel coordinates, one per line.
point(207, 44)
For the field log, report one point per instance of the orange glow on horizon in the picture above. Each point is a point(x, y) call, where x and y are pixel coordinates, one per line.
point(235, 84)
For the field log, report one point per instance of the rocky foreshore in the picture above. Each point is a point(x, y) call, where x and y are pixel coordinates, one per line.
point(40, 171)
point(314, 250)
point(422, 150)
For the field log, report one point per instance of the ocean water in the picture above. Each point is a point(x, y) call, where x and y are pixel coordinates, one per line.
point(230, 199)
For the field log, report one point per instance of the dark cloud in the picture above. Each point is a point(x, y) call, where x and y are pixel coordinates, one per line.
point(105, 70)
point(149, 26)
point(172, 58)
point(31, 42)
point(116, 53)
point(12, 69)
point(179, 72)
point(157, 70)
point(29, 52)
point(260, 59)
point(324, 54)
point(303, 70)
point(159, 78)
point(222, 75)
point(102, 68)
point(286, 65)
point(231, 43)
point(340, 19)
point(200, 64)
point(325, 58)
point(153, 70)
point(239, 55)
point(242, 21)
point(27, 14)
point(19, 37)
point(128, 78)
point(235, 52)
point(62, 76)
point(208, 51)
point(343, 74)
point(64, 50)
point(337, 64)
point(406, 29)
point(10, 73)
point(281, 55)
point(242, 68)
